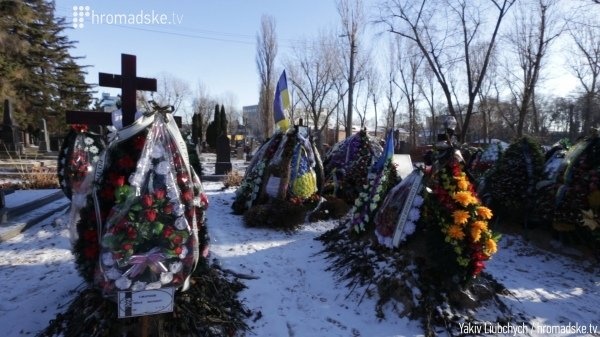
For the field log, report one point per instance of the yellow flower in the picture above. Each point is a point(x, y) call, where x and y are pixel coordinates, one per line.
point(490, 247)
point(480, 225)
point(460, 217)
point(462, 184)
point(475, 234)
point(455, 232)
point(484, 212)
point(464, 198)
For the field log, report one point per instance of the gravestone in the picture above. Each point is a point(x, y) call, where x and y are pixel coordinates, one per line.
point(404, 165)
point(45, 142)
point(10, 132)
point(223, 165)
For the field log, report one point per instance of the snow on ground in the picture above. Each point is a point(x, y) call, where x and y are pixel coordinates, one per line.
point(293, 294)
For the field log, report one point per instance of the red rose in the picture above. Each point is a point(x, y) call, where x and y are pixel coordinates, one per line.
point(478, 267)
point(168, 209)
point(178, 239)
point(147, 200)
point(188, 196)
point(127, 246)
point(168, 231)
point(119, 181)
point(204, 199)
point(160, 193)
point(178, 250)
point(151, 215)
point(131, 233)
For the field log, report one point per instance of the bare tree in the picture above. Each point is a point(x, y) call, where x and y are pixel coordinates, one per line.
point(446, 36)
point(170, 90)
point(534, 29)
point(392, 95)
point(266, 51)
point(232, 111)
point(353, 23)
point(203, 105)
point(409, 66)
point(314, 73)
point(585, 64)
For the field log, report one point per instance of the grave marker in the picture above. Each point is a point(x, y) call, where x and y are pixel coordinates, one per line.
point(10, 132)
point(223, 165)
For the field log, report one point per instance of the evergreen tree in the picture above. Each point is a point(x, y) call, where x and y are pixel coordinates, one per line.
point(37, 73)
point(214, 129)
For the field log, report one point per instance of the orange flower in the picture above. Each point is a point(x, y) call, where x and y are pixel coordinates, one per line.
point(484, 212)
point(480, 225)
point(455, 232)
point(464, 198)
point(462, 184)
point(475, 234)
point(460, 217)
point(490, 247)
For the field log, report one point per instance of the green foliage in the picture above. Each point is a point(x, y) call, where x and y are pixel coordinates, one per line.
point(37, 72)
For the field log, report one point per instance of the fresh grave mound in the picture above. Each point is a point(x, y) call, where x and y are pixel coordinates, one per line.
point(143, 228)
point(512, 182)
point(282, 183)
point(347, 164)
point(426, 255)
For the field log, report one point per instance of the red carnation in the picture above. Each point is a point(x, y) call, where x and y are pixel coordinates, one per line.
point(151, 215)
point(160, 193)
point(147, 200)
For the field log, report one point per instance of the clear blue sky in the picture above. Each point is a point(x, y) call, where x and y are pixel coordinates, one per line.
point(213, 41)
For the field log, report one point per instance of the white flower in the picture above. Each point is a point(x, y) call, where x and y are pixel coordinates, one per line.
point(175, 267)
point(88, 141)
point(373, 206)
point(95, 159)
point(139, 285)
point(93, 149)
point(409, 228)
point(414, 214)
point(166, 277)
point(181, 223)
point(154, 285)
point(113, 274)
point(123, 283)
point(184, 252)
point(107, 259)
point(418, 201)
point(376, 198)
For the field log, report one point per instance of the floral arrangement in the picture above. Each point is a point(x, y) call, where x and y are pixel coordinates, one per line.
point(578, 196)
point(347, 165)
point(79, 153)
point(381, 177)
point(512, 182)
point(143, 227)
point(454, 206)
point(400, 211)
point(247, 194)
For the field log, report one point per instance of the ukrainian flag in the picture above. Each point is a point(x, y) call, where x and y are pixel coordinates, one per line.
point(387, 154)
point(281, 102)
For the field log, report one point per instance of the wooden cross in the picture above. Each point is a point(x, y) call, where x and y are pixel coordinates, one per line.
point(129, 84)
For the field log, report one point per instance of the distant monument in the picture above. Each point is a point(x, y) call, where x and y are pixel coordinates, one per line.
point(223, 165)
point(10, 133)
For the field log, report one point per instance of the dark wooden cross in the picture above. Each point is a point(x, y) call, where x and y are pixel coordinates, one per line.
point(129, 84)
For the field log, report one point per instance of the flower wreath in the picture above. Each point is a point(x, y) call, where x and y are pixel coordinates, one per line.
point(453, 205)
point(79, 153)
point(140, 227)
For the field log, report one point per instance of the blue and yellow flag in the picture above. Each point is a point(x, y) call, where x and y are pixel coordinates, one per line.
point(387, 154)
point(281, 103)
